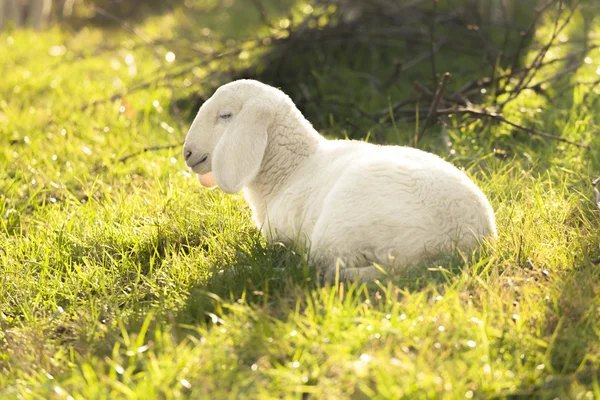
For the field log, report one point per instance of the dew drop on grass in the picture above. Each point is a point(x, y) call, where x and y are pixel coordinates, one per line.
point(441, 328)
point(487, 369)
point(185, 383)
point(142, 349)
point(86, 150)
point(365, 358)
point(166, 127)
point(119, 370)
point(56, 51)
point(471, 343)
point(469, 394)
point(295, 364)
point(170, 57)
point(293, 333)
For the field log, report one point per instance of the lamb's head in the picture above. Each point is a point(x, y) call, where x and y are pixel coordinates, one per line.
point(227, 140)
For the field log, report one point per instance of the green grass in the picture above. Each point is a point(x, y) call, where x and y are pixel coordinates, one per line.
point(127, 280)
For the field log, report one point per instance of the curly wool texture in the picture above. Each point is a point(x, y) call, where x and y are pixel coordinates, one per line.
point(352, 204)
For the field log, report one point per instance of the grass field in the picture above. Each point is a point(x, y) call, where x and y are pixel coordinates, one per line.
point(124, 279)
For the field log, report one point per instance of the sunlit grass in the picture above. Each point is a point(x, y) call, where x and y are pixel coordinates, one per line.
point(127, 280)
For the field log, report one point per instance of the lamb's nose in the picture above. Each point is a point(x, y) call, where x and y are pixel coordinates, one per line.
point(187, 154)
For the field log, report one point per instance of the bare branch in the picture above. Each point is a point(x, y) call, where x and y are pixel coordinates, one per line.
point(500, 118)
point(432, 45)
point(151, 148)
point(434, 106)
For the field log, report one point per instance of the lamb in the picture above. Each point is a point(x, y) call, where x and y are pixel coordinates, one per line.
point(355, 207)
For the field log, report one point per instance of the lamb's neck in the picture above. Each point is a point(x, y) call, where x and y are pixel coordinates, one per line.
point(291, 143)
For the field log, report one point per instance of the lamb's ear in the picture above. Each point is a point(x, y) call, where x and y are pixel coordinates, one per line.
point(238, 155)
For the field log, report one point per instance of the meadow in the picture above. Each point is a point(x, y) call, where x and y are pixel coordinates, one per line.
point(123, 278)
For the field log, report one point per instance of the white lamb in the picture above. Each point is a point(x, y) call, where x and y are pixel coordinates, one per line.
point(355, 206)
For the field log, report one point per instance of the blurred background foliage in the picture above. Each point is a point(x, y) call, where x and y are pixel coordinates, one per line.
point(357, 68)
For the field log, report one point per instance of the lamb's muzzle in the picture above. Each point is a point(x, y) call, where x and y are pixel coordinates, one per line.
point(352, 203)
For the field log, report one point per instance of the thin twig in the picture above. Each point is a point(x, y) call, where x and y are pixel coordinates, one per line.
point(525, 35)
point(500, 118)
point(122, 23)
point(405, 66)
point(434, 106)
point(536, 65)
point(261, 11)
point(432, 43)
point(147, 149)
point(187, 69)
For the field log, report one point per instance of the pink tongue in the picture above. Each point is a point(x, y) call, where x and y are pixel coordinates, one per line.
point(207, 180)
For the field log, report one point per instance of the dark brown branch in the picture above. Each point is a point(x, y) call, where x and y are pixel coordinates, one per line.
point(151, 148)
point(262, 11)
point(431, 116)
point(402, 67)
point(537, 63)
point(187, 69)
point(500, 118)
point(525, 35)
point(432, 44)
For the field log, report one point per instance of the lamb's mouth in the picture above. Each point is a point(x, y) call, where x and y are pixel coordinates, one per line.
point(204, 157)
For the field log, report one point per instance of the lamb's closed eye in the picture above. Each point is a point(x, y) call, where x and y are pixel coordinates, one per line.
point(354, 204)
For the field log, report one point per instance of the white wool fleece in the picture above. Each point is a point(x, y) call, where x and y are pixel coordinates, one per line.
point(352, 204)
